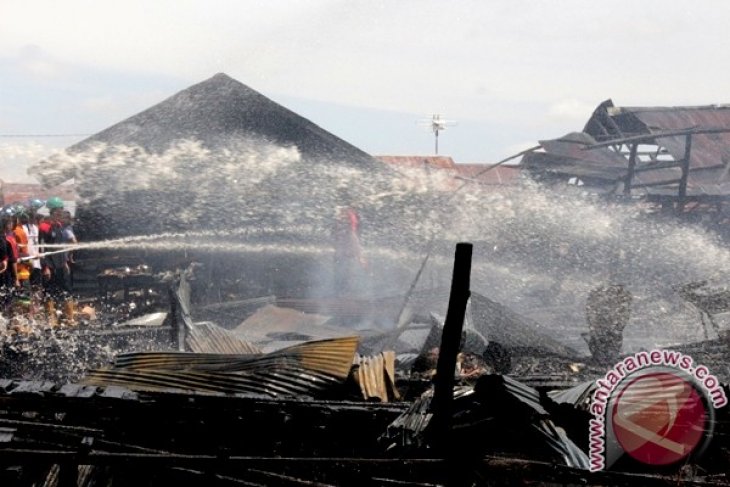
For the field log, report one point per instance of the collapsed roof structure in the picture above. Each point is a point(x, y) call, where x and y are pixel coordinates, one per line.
point(166, 417)
point(676, 157)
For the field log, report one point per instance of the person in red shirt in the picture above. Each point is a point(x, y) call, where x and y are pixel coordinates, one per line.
point(350, 262)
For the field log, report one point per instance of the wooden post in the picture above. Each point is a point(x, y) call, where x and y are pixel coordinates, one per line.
point(443, 394)
point(632, 167)
point(682, 193)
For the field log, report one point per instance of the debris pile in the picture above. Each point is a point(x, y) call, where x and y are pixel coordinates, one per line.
point(433, 402)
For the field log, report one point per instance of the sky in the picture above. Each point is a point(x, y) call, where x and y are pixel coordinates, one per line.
point(507, 72)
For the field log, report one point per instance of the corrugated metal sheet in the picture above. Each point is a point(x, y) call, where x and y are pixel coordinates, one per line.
point(438, 162)
point(303, 369)
point(376, 376)
point(481, 173)
point(497, 410)
point(579, 395)
point(275, 322)
point(205, 337)
point(572, 146)
point(500, 324)
point(545, 162)
point(457, 173)
point(710, 152)
point(568, 156)
point(211, 338)
point(349, 312)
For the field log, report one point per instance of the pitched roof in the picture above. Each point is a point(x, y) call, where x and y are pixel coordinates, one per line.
point(214, 112)
point(22, 192)
point(478, 173)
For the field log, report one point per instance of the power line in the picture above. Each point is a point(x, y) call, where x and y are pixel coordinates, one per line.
point(10, 136)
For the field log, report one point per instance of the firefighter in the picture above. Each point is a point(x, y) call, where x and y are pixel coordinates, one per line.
point(24, 265)
point(54, 263)
point(350, 262)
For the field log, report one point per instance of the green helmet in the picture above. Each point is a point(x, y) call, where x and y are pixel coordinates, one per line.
point(54, 203)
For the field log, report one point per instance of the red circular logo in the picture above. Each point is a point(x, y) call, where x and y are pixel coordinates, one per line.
point(659, 418)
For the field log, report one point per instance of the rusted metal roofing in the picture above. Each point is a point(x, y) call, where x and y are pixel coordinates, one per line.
point(204, 337)
point(572, 146)
point(275, 324)
point(305, 369)
point(482, 173)
point(376, 376)
point(426, 162)
point(669, 129)
point(22, 192)
point(568, 156)
point(708, 150)
point(211, 338)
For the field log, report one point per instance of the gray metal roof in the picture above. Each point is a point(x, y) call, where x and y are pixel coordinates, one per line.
point(599, 155)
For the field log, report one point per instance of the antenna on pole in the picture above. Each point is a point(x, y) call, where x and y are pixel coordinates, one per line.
point(436, 124)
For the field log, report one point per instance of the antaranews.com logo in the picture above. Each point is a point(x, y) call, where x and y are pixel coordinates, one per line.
point(656, 406)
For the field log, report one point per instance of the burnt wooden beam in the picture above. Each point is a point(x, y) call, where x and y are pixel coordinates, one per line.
point(656, 183)
point(658, 165)
point(632, 167)
point(443, 395)
point(682, 192)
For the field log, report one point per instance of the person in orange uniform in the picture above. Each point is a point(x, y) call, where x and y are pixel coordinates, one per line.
point(21, 239)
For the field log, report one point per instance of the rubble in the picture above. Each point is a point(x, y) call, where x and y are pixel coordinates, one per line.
point(297, 406)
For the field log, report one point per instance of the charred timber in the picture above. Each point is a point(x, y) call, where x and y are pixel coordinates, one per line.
point(450, 341)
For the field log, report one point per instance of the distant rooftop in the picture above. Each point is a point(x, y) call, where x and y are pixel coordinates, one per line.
point(480, 173)
point(23, 192)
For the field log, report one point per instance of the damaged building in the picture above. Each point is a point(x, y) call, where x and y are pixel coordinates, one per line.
point(220, 409)
point(250, 375)
point(674, 158)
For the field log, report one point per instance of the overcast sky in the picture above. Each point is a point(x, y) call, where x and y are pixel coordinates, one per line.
point(509, 72)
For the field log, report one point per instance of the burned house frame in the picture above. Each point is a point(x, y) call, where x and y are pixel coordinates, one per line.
point(672, 158)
